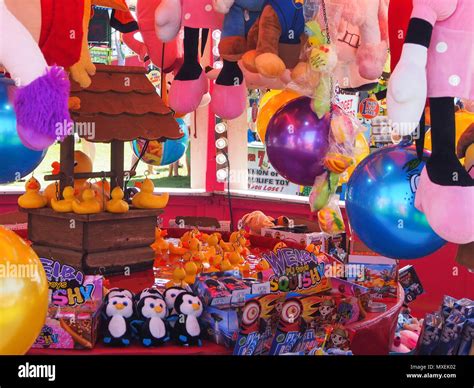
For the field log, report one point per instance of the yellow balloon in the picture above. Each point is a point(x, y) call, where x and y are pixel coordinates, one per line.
point(361, 151)
point(23, 294)
point(463, 120)
point(267, 96)
point(266, 112)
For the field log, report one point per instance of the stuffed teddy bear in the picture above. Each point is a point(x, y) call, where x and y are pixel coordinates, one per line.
point(190, 83)
point(41, 100)
point(276, 38)
point(433, 63)
point(229, 94)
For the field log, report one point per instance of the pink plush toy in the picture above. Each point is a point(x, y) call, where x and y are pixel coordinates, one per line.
point(409, 338)
point(437, 62)
point(359, 31)
point(41, 100)
point(190, 83)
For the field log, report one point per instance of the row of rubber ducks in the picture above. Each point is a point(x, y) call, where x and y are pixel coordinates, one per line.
point(90, 203)
point(199, 252)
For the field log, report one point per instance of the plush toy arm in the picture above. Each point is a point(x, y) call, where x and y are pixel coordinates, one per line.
point(41, 99)
point(222, 6)
point(372, 53)
point(19, 53)
point(168, 19)
point(407, 88)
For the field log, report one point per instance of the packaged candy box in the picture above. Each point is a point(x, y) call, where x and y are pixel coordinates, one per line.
point(70, 327)
point(74, 308)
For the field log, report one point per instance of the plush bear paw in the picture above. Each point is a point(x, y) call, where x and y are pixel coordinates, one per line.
point(248, 60)
point(270, 65)
point(371, 59)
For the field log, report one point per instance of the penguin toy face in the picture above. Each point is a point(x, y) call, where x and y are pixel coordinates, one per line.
point(153, 311)
point(170, 296)
point(187, 330)
point(149, 292)
point(118, 311)
point(119, 291)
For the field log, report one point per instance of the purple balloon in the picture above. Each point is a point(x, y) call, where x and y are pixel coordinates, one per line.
point(297, 141)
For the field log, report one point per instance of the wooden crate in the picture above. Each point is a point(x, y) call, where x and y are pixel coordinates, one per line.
point(110, 243)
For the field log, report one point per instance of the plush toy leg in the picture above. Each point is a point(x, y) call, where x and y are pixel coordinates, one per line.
point(446, 191)
point(248, 59)
point(190, 84)
point(267, 61)
point(229, 93)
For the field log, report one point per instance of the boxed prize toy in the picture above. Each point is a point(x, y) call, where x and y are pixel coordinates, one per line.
point(301, 234)
point(221, 325)
point(74, 308)
point(227, 289)
point(380, 279)
point(410, 282)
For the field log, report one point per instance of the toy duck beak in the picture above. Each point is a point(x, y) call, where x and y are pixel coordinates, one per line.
point(195, 306)
point(158, 309)
point(119, 306)
point(33, 185)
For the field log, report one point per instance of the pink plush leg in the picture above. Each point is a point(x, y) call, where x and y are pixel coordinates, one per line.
point(228, 102)
point(185, 96)
point(448, 209)
point(371, 59)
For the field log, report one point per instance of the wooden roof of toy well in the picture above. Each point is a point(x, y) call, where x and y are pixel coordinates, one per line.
point(122, 104)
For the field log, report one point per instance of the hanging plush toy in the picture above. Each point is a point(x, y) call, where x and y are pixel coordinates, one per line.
point(435, 63)
point(229, 95)
point(275, 40)
point(41, 100)
point(187, 330)
point(190, 83)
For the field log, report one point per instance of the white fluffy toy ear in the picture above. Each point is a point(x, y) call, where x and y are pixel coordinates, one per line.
point(41, 99)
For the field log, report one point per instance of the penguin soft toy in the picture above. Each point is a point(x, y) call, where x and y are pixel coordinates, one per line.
point(153, 311)
point(119, 291)
point(187, 330)
point(170, 296)
point(119, 313)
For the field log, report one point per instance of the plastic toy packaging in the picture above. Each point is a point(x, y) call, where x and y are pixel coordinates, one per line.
point(324, 186)
point(430, 333)
point(330, 217)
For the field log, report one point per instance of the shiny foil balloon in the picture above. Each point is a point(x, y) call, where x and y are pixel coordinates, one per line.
point(16, 160)
point(380, 205)
point(297, 141)
point(23, 294)
point(163, 153)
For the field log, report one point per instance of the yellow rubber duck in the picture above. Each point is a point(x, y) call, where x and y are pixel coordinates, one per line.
point(64, 205)
point(32, 199)
point(89, 204)
point(226, 265)
point(160, 246)
point(145, 199)
point(117, 204)
point(215, 262)
point(191, 270)
point(178, 278)
point(235, 259)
